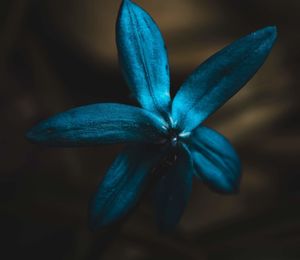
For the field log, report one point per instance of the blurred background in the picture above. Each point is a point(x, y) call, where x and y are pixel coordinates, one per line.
point(58, 54)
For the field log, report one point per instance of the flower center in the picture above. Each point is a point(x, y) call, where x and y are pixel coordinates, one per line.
point(174, 134)
point(173, 137)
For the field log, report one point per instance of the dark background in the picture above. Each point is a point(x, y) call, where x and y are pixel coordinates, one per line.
point(55, 55)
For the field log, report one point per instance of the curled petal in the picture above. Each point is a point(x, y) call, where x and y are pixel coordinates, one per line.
point(220, 77)
point(98, 124)
point(143, 58)
point(173, 191)
point(215, 160)
point(122, 185)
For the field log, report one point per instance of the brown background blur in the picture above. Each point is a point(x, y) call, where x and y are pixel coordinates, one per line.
point(55, 55)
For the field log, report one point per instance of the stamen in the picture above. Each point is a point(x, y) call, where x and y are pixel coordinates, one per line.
point(174, 141)
point(184, 134)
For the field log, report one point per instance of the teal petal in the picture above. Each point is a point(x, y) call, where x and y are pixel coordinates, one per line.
point(220, 77)
point(122, 185)
point(215, 160)
point(98, 124)
point(173, 191)
point(143, 58)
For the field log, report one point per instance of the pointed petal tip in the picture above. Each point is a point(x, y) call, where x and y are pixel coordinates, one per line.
point(270, 33)
point(34, 135)
point(229, 190)
point(41, 133)
point(223, 187)
point(123, 8)
point(272, 29)
point(95, 223)
point(264, 37)
point(124, 2)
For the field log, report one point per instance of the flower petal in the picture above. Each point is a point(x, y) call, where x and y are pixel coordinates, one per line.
point(173, 191)
point(220, 77)
point(97, 124)
point(123, 183)
point(215, 160)
point(143, 58)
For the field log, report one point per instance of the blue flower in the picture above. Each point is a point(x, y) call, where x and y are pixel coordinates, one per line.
point(162, 131)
